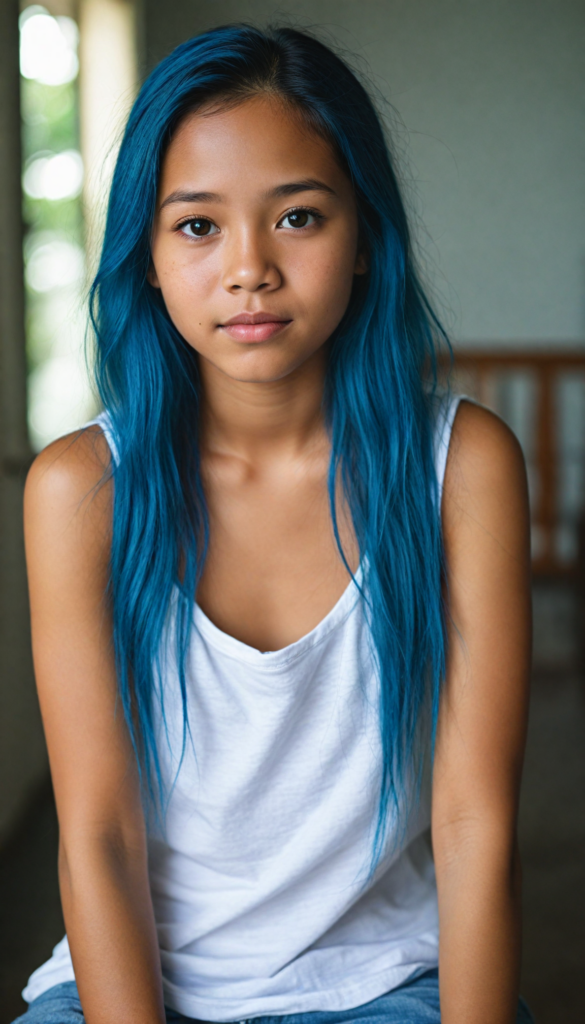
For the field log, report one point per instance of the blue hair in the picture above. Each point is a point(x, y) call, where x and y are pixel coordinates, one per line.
point(377, 401)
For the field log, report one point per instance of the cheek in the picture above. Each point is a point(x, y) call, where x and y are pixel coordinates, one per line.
point(323, 278)
point(185, 286)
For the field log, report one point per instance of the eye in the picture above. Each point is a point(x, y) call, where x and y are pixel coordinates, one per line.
point(299, 219)
point(198, 227)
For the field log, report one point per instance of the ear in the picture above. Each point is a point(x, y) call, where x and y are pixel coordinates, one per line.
point(151, 276)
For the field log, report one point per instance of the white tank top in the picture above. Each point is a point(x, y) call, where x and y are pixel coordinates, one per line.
point(260, 888)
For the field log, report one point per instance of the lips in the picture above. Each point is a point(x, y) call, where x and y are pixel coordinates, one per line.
point(251, 327)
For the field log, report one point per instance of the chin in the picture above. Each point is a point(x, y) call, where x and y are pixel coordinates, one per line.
point(261, 367)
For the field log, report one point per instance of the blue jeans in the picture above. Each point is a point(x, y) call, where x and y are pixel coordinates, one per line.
point(416, 1002)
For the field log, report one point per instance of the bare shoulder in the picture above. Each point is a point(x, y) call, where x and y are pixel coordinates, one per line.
point(68, 491)
point(483, 447)
point(67, 471)
point(485, 507)
point(486, 471)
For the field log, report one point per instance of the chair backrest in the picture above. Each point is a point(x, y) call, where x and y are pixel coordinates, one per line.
point(541, 395)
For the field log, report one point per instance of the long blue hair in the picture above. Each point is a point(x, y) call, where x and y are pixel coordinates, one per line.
point(378, 399)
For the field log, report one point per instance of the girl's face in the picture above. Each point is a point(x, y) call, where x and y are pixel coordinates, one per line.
point(255, 240)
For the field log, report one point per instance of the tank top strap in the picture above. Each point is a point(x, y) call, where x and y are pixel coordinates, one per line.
point(445, 417)
point(104, 421)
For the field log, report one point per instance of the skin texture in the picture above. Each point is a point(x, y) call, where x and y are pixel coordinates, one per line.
point(273, 570)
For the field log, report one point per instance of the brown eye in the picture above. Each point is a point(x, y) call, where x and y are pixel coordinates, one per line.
point(298, 219)
point(199, 227)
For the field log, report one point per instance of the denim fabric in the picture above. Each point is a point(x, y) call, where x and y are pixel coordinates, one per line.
point(417, 1002)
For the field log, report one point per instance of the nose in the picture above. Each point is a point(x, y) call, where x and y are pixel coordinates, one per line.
point(248, 264)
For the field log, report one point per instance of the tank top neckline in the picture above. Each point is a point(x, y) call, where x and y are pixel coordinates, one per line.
point(348, 601)
point(283, 656)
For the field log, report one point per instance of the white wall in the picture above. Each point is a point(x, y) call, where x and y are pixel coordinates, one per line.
point(491, 93)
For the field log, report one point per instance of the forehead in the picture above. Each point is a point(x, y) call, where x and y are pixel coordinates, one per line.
point(254, 144)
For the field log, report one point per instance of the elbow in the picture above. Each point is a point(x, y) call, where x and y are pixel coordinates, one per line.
point(474, 844)
point(86, 856)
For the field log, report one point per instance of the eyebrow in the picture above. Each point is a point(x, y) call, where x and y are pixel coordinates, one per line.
point(190, 197)
point(290, 188)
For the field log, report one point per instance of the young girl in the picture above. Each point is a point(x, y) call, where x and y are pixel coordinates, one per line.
point(275, 586)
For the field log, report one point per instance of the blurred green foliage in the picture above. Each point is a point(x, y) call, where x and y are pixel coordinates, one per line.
point(50, 124)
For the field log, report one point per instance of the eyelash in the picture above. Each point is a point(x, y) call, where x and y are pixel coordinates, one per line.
point(303, 209)
point(296, 209)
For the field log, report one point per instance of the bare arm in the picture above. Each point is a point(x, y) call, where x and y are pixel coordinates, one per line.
point(482, 722)
point(102, 853)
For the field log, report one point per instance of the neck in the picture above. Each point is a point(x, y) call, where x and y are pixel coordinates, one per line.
point(257, 420)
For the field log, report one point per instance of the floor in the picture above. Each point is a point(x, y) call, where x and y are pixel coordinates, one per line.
point(552, 833)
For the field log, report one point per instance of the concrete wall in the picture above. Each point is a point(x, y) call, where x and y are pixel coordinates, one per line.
point(22, 749)
point(491, 94)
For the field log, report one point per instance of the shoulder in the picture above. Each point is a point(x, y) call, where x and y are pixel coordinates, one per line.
point(483, 450)
point(65, 468)
point(69, 482)
point(485, 478)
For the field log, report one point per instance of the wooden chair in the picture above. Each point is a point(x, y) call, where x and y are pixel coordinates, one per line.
point(558, 531)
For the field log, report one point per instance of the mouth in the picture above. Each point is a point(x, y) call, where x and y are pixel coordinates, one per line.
point(254, 327)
